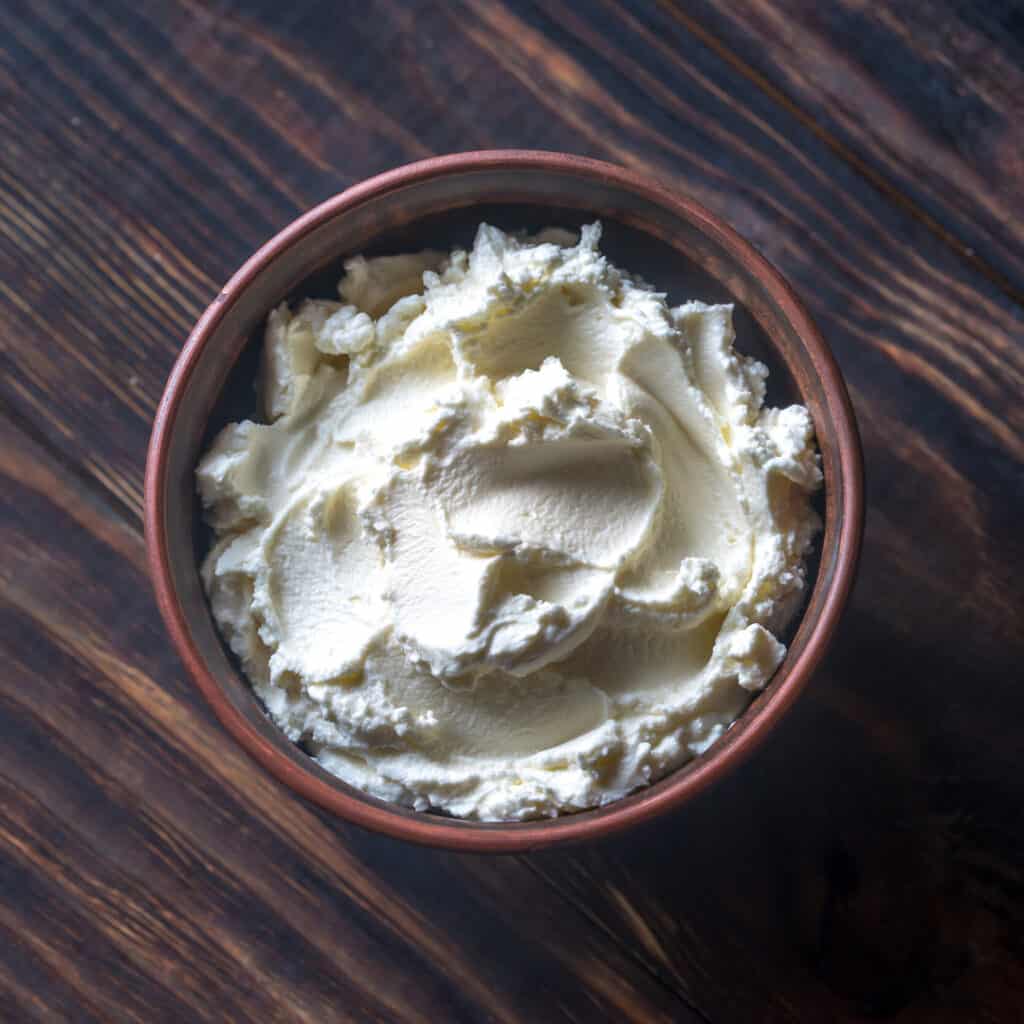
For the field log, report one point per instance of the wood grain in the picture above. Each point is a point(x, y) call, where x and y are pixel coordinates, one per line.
point(930, 325)
point(866, 865)
point(176, 854)
point(923, 99)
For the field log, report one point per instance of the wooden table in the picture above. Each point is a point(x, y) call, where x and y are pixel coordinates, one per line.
point(866, 864)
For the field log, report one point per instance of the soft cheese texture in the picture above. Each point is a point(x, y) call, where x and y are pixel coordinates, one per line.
point(516, 537)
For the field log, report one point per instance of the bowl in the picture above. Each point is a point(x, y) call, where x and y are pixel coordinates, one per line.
point(650, 230)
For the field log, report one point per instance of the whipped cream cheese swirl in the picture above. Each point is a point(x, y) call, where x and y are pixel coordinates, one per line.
point(516, 537)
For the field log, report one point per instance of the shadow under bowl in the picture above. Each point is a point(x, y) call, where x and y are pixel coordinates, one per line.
point(664, 238)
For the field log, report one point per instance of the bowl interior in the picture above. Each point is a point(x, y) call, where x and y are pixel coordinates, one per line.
point(672, 249)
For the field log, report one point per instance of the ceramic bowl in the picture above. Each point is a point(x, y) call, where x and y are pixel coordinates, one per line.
point(649, 229)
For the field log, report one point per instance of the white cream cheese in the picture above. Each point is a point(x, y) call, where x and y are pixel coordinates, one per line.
point(516, 538)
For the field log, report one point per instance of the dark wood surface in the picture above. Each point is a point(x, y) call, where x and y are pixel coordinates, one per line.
point(867, 864)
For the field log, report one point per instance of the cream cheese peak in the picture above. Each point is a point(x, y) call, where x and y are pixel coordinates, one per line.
point(516, 537)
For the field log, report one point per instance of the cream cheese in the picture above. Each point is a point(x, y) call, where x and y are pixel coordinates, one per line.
point(516, 537)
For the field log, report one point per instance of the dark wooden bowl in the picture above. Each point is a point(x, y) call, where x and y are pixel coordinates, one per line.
point(667, 238)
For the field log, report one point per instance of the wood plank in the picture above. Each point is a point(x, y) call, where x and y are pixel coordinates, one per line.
point(868, 860)
point(135, 830)
point(30, 989)
point(863, 866)
point(925, 99)
point(144, 153)
point(916, 330)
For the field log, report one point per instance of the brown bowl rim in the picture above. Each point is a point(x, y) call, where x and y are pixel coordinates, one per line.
point(513, 836)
